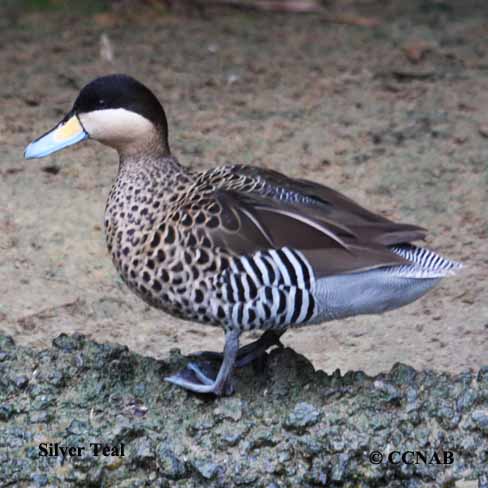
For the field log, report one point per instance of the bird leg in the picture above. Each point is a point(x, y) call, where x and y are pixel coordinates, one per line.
point(248, 353)
point(200, 379)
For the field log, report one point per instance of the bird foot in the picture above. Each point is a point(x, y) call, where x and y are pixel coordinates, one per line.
point(249, 353)
point(201, 377)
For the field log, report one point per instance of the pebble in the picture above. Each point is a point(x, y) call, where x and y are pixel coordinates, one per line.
point(480, 418)
point(6, 411)
point(303, 415)
point(207, 469)
point(229, 408)
point(172, 467)
point(21, 381)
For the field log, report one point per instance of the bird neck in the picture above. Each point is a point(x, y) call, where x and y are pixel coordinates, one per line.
point(150, 144)
point(157, 171)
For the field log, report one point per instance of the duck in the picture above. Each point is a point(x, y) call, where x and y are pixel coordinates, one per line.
point(239, 247)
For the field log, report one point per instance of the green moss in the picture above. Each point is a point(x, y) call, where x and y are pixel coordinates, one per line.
point(288, 426)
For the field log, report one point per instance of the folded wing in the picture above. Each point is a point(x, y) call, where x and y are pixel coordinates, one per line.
point(334, 233)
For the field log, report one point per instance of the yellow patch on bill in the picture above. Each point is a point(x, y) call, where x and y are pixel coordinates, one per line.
point(68, 130)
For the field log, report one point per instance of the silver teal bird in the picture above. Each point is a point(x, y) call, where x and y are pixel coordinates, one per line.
point(237, 247)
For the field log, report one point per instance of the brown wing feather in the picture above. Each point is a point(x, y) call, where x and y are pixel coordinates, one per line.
point(334, 205)
point(334, 233)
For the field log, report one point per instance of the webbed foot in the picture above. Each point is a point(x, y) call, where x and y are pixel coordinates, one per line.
point(248, 353)
point(203, 377)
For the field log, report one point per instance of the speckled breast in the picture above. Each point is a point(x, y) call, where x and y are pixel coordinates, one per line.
point(160, 251)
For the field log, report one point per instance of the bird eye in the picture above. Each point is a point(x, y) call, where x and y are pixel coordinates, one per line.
point(101, 102)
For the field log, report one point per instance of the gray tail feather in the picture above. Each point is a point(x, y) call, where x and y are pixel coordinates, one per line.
point(425, 263)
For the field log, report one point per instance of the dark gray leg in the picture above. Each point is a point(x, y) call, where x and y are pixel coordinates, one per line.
point(203, 383)
point(268, 339)
point(250, 352)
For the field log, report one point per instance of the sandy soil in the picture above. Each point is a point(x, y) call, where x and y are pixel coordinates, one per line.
point(395, 115)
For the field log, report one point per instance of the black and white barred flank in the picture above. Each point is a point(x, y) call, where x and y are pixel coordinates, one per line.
point(270, 289)
point(424, 263)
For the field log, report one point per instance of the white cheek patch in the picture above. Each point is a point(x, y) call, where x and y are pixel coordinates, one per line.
point(116, 125)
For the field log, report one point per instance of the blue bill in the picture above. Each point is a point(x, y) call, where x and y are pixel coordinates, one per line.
point(63, 135)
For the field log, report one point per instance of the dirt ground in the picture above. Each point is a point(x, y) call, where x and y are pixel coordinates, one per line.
point(386, 101)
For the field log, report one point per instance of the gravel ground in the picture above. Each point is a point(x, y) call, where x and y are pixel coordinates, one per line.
point(394, 114)
point(289, 426)
point(342, 104)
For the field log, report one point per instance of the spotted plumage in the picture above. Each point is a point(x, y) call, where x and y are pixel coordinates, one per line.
point(169, 257)
point(238, 247)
